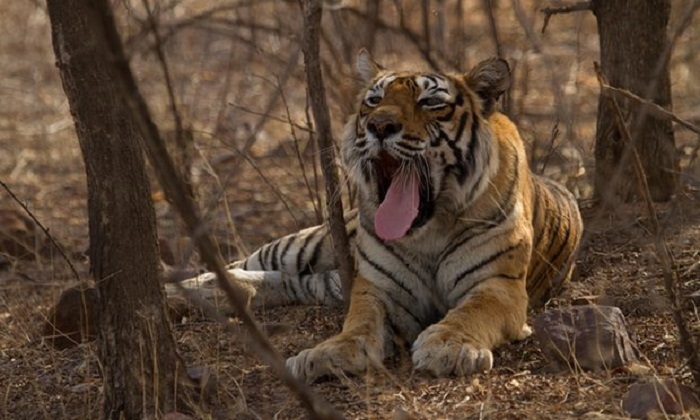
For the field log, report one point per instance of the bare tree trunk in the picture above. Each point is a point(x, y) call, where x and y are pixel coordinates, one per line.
point(137, 349)
point(634, 56)
point(317, 94)
point(425, 21)
point(440, 27)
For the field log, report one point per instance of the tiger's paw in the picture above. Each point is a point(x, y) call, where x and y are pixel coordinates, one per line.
point(440, 352)
point(524, 333)
point(337, 356)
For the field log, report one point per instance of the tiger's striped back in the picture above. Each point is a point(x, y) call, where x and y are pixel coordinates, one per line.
point(557, 228)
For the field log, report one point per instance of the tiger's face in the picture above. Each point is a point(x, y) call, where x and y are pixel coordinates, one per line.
point(418, 144)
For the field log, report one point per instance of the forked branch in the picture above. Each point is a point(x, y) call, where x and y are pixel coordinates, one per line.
point(652, 108)
point(319, 107)
point(576, 7)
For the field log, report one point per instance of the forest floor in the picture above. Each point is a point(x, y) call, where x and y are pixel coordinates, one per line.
point(41, 162)
point(617, 266)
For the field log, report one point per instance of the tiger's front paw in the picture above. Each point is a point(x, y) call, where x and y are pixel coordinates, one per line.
point(337, 356)
point(442, 352)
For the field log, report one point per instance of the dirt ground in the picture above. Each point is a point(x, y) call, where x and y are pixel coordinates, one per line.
point(274, 193)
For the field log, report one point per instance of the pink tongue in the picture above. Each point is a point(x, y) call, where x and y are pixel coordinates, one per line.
point(399, 208)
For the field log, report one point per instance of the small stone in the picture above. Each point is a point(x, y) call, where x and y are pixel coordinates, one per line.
point(589, 337)
point(174, 415)
point(401, 414)
point(204, 380)
point(643, 400)
point(594, 415)
point(73, 319)
point(166, 252)
point(5, 262)
point(83, 388)
point(694, 298)
point(585, 300)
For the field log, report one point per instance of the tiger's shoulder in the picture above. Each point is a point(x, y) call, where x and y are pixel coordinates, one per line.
point(550, 212)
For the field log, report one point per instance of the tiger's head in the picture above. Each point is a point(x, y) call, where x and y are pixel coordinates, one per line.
point(420, 142)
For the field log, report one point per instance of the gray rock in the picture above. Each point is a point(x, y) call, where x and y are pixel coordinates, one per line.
point(589, 337)
point(73, 319)
point(174, 415)
point(644, 400)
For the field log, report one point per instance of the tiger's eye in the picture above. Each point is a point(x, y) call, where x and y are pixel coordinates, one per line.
point(432, 101)
point(373, 100)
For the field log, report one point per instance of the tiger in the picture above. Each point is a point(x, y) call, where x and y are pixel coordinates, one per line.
point(453, 236)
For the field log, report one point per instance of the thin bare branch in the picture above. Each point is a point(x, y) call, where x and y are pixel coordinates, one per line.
point(374, 9)
point(403, 30)
point(281, 83)
point(272, 186)
point(314, 150)
point(55, 243)
point(493, 27)
point(297, 150)
point(653, 109)
point(550, 148)
point(174, 28)
point(526, 24)
point(576, 7)
point(562, 108)
point(277, 118)
point(319, 109)
point(183, 143)
point(160, 54)
point(425, 22)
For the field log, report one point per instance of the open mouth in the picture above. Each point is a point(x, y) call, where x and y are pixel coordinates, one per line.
point(403, 196)
point(386, 167)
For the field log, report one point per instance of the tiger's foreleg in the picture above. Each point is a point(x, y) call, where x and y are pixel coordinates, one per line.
point(364, 341)
point(493, 313)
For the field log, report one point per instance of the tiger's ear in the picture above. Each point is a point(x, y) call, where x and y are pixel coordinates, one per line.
point(367, 67)
point(489, 79)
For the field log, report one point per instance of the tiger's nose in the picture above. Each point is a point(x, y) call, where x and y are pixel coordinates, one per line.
point(383, 126)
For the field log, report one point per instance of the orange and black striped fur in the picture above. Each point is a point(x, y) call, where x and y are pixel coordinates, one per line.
point(453, 235)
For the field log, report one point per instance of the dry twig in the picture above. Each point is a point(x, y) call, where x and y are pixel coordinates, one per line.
point(563, 109)
point(284, 120)
point(493, 27)
point(550, 148)
point(160, 54)
point(317, 209)
point(576, 7)
point(413, 37)
point(55, 243)
point(652, 108)
point(319, 108)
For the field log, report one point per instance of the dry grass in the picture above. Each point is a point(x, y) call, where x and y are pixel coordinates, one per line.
point(223, 87)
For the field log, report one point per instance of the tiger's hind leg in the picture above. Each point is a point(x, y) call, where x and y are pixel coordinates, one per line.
point(267, 289)
point(364, 341)
point(274, 288)
point(298, 269)
point(461, 344)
